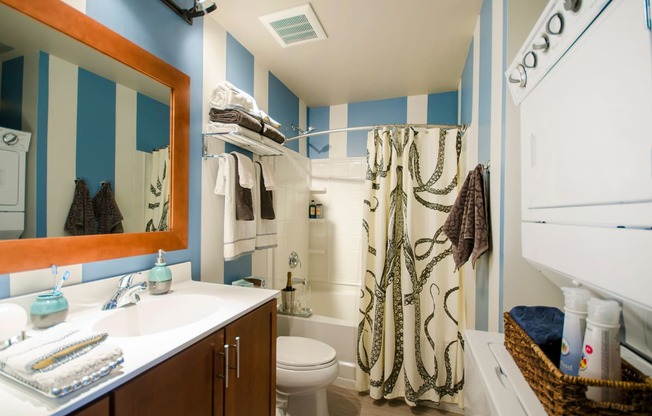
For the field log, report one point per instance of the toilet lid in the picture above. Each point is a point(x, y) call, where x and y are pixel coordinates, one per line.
point(299, 352)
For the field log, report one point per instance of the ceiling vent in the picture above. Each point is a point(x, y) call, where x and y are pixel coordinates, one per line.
point(294, 26)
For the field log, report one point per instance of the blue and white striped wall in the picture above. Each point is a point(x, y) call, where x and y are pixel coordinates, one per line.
point(438, 108)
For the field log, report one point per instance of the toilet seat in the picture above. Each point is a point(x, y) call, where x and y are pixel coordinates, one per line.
point(303, 354)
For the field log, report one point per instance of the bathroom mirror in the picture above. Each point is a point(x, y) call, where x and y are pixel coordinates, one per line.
point(132, 69)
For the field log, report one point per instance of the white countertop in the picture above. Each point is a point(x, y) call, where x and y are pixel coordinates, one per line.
point(140, 352)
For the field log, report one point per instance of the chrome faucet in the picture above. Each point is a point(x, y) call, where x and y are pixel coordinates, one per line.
point(299, 280)
point(126, 293)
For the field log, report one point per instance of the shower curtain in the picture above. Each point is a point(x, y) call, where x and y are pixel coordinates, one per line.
point(158, 192)
point(409, 341)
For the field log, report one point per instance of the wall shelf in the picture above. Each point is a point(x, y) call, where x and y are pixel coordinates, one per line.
point(316, 220)
point(256, 143)
point(316, 251)
point(317, 190)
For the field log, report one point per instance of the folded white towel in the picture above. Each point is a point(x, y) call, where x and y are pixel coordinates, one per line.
point(239, 236)
point(266, 234)
point(227, 94)
point(214, 127)
point(269, 177)
point(246, 171)
point(49, 348)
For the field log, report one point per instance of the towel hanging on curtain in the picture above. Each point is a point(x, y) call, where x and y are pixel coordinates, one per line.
point(158, 194)
point(80, 220)
point(466, 226)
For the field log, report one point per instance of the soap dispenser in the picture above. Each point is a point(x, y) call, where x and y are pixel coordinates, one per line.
point(160, 277)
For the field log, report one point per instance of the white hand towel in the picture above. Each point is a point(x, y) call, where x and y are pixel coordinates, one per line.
point(220, 182)
point(246, 171)
point(269, 176)
point(266, 235)
point(239, 236)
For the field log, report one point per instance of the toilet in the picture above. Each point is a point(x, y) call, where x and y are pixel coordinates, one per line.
point(304, 367)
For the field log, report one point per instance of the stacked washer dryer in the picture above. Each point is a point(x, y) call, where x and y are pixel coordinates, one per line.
point(13, 150)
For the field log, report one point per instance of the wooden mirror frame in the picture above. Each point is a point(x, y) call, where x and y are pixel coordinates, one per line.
point(36, 253)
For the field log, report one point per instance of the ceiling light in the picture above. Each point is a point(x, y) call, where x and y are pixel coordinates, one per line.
point(200, 8)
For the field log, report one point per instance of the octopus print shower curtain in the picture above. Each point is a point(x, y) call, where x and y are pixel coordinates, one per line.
point(409, 341)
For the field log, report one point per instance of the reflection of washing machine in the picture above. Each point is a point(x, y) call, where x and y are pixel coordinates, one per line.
point(13, 149)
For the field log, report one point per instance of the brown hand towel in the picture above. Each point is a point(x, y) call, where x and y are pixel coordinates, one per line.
point(80, 220)
point(244, 209)
point(236, 117)
point(266, 198)
point(272, 133)
point(466, 225)
point(106, 211)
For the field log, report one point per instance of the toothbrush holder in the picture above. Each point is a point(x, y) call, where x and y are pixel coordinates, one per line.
point(48, 309)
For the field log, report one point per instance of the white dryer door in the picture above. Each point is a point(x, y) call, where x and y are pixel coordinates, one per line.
point(9, 179)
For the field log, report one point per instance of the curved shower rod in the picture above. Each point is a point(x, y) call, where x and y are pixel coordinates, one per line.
point(418, 126)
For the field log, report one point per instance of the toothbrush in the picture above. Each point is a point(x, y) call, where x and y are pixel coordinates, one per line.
point(63, 279)
point(55, 271)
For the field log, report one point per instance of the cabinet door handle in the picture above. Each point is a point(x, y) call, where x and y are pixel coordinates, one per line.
point(237, 357)
point(226, 366)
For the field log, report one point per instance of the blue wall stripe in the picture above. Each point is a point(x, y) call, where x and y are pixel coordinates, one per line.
point(319, 146)
point(466, 109)
point(11, 94)
point(152, 124)
point(239, 65)
point(5, 288)
point(95, 159)
point(389, 111)
point(283, 107)
point(442, 108)
point(484, 149)
point(42, 144)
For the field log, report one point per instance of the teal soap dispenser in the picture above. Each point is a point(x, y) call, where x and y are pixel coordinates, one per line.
point(160, 277)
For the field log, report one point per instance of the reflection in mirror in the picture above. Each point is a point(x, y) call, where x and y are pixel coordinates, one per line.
point(95, 122)
point(144, 105)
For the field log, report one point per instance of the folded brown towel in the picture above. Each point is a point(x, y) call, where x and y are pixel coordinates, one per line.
point(236, 117)
point(466, 225)
point(272, 133)
point(266, 198)
point(244, 208)
point(106, 210)
point(80, 220)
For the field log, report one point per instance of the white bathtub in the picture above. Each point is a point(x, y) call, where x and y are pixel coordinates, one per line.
point(334, 321)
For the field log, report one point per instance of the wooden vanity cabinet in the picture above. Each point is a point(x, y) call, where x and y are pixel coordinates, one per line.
point(193, 382)
point(100, 407)
point(252, 389)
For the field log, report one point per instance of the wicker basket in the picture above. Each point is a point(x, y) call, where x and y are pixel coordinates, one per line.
point(564, 395)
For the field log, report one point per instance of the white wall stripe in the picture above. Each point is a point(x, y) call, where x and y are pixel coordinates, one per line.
point(417, 109)
point(212, 206)
point(129, 163)
point(62, 137)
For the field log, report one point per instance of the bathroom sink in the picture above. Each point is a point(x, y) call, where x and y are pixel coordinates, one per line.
point(157, 315)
